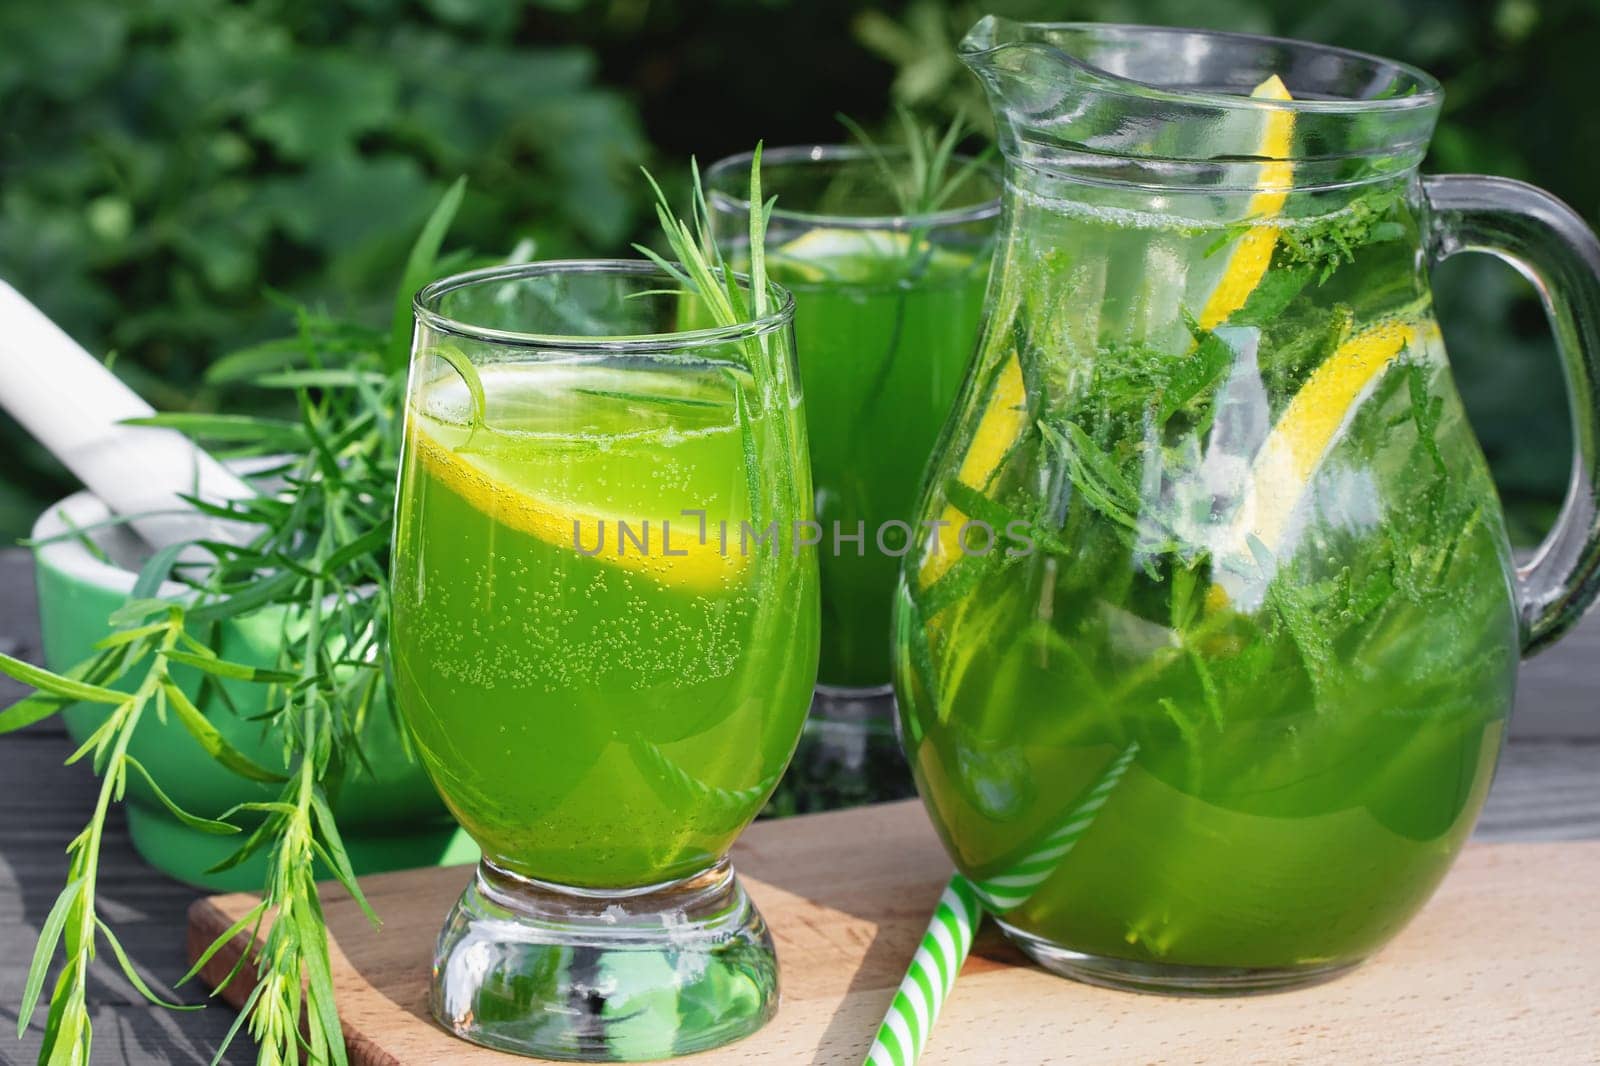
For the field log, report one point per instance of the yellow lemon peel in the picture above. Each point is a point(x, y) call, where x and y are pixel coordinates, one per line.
point(475, 479)
point(1252, 254)
point(1005, 418)
point(1303, 436)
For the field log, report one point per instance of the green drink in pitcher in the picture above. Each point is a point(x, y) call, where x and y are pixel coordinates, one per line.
point(604, 642)
point(1205, 662)
point(1309, 732)
point(887, 309)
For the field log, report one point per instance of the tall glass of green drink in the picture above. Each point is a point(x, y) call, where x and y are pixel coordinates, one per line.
point(889, 285)
point(604, 641)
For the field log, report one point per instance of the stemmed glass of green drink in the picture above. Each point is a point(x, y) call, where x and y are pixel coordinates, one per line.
point(604, 652)
point(888, 264)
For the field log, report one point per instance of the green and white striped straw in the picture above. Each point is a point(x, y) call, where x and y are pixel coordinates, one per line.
point(927, 984)
point(1013, 888)
point(922, 992)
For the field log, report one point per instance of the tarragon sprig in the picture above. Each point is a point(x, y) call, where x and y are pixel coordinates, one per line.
point(703, 270)
point(925, 182)
point(321, 560)
point(74, 922)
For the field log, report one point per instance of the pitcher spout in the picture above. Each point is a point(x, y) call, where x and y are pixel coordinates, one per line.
point(1027, 73)
point(1161, 105)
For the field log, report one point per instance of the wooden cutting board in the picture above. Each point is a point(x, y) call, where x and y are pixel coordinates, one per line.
point(1503, 966)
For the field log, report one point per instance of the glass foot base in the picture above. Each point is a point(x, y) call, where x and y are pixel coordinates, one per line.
point(848, 755)
point(1128, 975)
point(604, 976)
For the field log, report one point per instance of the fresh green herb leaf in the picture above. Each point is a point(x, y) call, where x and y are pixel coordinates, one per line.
point(56, 684)
point(419, 271)
point(337, 858)
point(233, 671)
point(209, 738)
point(24, 713)
point(276, 432)
point(153, 574)
point(925, 182)
point(1096, 477)
point(1195, 373)
point(250, 918)
point(193, 821)
point(1425, 411)
point(1325, 243)
point(49, 935)
point(132, 974)
point(1269, 298)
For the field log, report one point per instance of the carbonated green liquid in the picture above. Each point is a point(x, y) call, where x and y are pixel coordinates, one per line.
point(610, 719)
point(883, 339)
point(1311, 737)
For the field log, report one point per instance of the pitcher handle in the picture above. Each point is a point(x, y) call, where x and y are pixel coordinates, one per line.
point(1552, 247)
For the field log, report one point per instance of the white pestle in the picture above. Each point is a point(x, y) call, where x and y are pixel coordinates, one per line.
point(73, 405)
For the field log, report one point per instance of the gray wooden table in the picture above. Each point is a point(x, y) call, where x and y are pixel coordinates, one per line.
point(1548, 788)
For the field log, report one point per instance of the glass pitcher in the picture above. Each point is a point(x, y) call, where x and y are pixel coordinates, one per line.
point(1205, 660)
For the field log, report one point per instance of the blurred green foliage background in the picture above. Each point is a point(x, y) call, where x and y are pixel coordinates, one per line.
point(167, 165)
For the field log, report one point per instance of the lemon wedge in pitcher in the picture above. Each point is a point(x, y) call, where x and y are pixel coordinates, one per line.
point(1252, 253)
point(1005, 418)
point(1295, 448)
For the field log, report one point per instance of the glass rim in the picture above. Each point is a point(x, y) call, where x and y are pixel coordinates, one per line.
point(981, 41)
point(788, 155)
point(425, 309)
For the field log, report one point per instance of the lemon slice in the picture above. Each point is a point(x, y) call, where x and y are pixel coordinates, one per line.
point(856, 256)
point(833, 242)
point(1247, 263)
point(1295, 448)
point(494, 482)
point(1004, 419)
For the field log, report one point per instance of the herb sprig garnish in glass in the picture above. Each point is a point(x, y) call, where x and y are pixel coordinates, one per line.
point(605, 654)
point(887, 252)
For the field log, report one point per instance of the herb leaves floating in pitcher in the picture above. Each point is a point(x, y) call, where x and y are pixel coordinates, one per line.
point(1169, 471)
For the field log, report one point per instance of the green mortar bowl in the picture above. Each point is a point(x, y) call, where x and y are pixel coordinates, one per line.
point(390, 818)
